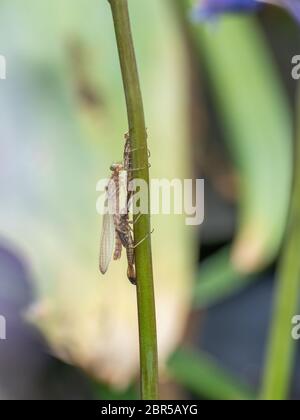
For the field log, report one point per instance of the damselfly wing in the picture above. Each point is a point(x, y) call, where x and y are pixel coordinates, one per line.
point(107, 243)
point(115, 205)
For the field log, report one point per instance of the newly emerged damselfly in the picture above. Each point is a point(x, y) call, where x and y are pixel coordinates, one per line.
point(116, 229)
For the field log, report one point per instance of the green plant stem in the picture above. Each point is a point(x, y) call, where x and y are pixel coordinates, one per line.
point(142, 227)
point(281, 346)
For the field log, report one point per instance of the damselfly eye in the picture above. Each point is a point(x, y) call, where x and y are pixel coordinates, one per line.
point(116, 167)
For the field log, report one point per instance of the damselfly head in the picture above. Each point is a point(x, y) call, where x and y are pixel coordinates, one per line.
point(116, 167)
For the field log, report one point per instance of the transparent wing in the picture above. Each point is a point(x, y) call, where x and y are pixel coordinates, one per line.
point(107, 242)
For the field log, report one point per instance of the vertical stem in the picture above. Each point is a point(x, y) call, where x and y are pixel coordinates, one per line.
point(142, 227)
point(281, 347)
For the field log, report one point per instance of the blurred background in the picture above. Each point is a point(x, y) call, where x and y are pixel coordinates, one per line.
point(220, 105)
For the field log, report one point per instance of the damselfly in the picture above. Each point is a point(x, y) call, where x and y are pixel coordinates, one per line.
point(116, 229)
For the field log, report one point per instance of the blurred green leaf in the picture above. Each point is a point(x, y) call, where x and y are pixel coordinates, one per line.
point(280, 355)
point(218, 279)
point(257, 124)
point(105, 393)
point(200, 374)
point(62, 125)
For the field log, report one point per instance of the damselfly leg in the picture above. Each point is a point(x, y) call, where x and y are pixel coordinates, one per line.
point(144, 239)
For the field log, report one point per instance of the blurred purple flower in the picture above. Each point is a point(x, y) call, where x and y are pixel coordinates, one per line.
point(208, 9)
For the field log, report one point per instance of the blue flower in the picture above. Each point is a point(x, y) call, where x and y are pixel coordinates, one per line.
point(208, 9)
